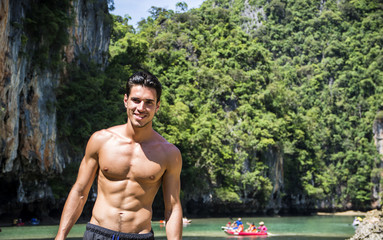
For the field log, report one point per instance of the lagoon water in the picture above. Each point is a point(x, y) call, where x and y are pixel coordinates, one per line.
point(287, 228)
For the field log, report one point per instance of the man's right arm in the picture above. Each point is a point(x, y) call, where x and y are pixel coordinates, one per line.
point(79, 193)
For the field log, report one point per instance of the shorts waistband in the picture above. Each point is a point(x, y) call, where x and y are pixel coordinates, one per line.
point(119, 235)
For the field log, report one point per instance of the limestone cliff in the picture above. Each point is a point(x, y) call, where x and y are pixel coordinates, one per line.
point(29, 147)
point(275, 162)
point(377, 176)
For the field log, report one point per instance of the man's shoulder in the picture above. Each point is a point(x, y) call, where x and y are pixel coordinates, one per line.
point(105, 134)
point(102, 134)
point(115, 130)
point(159, 139)
point(170, 154)
point(167, 148)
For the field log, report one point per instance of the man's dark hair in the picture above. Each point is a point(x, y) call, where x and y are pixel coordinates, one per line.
point(144, 79)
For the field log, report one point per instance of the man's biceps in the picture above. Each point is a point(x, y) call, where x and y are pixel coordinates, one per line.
point(87, 170)
point(89, 163)
point(172, 176)
point(172, 187)
point(175, 168)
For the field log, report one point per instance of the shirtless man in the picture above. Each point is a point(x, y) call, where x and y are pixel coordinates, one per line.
point(131, 161)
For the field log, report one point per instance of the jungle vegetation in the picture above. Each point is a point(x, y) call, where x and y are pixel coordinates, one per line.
point(247, 80)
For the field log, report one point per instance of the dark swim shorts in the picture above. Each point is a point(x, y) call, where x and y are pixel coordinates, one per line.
point(94, 232)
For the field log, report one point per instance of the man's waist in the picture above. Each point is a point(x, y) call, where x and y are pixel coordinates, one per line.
point(112, 234)
point(122, 224)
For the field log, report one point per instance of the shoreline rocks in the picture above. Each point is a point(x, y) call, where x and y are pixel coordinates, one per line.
point(371, 227)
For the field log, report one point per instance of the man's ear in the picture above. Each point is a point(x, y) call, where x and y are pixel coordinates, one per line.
point(158, 106)
point(126, 101)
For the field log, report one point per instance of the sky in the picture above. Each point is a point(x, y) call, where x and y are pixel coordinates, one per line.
point(138, 9)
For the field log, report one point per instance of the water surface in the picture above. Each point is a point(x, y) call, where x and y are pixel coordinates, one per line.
point(288, 228)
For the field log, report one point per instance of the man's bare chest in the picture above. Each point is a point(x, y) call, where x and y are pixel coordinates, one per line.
point(130, 161)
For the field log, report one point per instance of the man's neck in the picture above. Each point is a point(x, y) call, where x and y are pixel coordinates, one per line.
point(139, 134)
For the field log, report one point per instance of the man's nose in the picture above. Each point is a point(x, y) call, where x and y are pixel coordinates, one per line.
point(141, 106)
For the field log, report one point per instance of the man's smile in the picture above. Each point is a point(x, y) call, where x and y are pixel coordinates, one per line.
point(139, 116)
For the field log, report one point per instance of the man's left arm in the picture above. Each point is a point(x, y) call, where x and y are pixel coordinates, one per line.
point(171, 185)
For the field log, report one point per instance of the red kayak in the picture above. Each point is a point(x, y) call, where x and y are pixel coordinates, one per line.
point(245, 233)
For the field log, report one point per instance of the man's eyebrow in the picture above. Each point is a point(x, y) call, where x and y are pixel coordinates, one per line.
point(146, 99)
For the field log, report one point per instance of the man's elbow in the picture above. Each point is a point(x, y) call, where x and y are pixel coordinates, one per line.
point(175, 210)
point(80, 191)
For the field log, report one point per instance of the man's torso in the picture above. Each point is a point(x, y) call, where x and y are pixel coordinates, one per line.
point(129, 177)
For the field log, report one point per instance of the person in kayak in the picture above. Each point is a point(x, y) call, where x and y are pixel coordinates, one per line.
point(238, 225)
point(251, 228)
point(240, 228)
point(262, 227)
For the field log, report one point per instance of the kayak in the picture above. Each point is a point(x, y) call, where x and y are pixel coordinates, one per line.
point(230, 232)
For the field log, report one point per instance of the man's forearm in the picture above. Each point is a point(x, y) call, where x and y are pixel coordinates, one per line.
point(174, 224)
point(72, 211)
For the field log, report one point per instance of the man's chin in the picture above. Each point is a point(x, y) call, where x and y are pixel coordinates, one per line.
point(139, 124)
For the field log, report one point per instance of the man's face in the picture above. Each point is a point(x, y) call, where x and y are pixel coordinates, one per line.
point(141, 105)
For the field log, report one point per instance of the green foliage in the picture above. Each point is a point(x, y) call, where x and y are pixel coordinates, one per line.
point(379, 116)
point(120, 28)
point(46, 24)
point(88, 101)
point(303, 79)
point(337, 96)
point(227, 195)
point(181, 6)
point(211, 71)
point(308, 81)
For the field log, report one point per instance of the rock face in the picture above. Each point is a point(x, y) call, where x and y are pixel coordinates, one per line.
point(254, 17)
point(276, 175)
point(29, 148)
point(371, 228)
point(377, 189)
